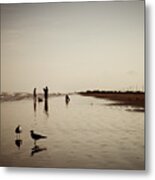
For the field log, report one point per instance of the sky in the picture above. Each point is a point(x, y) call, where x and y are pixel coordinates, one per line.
point(72, 46)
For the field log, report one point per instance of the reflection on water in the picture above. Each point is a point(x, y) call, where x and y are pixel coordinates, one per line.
point(37, 149)
point(18, 143)
point(87, 134)
point(136, 109)
point(46, 107)
point(35, 105)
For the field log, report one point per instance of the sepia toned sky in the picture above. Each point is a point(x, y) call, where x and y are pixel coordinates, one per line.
point(72, 46)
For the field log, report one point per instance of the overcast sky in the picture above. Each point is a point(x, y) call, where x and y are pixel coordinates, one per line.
point(72, 46)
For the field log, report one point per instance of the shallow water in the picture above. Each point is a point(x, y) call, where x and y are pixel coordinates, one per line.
point(86, 133)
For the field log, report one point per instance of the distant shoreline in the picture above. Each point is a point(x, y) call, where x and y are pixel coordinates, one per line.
point(133, 98)
point(4, 97)
point(136, 99)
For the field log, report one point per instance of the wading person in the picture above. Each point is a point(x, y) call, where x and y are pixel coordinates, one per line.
point(67, 99)
point(45, 93)
point(35, 93)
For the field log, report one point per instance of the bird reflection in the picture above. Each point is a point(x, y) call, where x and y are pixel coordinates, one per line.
point(37, 149)
point(18, 143)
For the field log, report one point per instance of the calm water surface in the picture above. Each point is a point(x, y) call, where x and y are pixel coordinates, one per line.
point(86, 133)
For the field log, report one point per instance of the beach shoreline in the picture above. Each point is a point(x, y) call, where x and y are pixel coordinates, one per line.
point(136, 99)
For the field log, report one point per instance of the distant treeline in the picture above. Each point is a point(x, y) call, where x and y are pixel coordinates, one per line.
point(110, 92)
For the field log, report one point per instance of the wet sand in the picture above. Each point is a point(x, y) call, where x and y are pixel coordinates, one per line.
point(86, 133)
point(136, 99)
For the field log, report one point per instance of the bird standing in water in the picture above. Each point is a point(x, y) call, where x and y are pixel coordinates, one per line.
point(18, 130)
point(36, 137)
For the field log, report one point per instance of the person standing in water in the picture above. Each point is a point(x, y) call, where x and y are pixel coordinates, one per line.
point(46, 100)
point(45, 92)
point(67, 99)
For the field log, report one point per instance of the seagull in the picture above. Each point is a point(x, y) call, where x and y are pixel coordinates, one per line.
point(40, 99)
point(18, 129)
point(36, 136)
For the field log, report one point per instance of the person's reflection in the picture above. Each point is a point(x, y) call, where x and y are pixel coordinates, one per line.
point(37, 149)
point(35, 99)
point(18, 143)
point(46, 107)
point(35, 105)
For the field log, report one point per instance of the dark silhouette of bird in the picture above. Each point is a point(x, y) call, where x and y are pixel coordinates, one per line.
point(36, 137)
point(18, 129)
point(40, 99)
